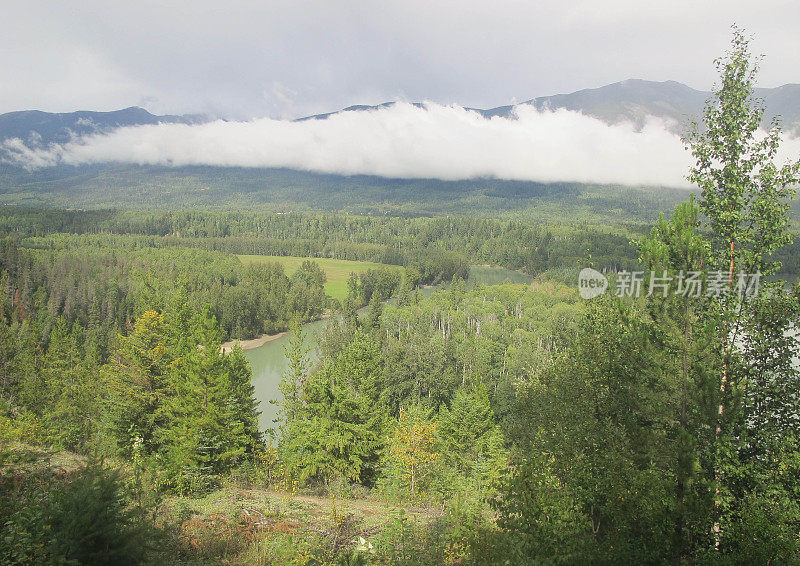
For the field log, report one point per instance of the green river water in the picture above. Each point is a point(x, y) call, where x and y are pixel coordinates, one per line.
point(269, 362)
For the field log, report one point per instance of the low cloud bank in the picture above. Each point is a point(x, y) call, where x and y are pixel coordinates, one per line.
point(401, 141)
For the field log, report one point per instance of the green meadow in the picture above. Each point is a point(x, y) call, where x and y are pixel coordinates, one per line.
point(336, 270)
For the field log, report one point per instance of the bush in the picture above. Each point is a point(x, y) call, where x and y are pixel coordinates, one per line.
point(765, 531)
point(85, 519)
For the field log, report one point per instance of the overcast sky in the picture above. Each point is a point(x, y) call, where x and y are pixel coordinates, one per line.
point(244, 59)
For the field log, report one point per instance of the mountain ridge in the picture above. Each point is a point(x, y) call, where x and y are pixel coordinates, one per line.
point(633, 100)
point(37, 126)
point(629, 100)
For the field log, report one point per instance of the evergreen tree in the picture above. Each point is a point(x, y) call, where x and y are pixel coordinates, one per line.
point(136, 378)
point(292, 382)
point(469, 438)
point(677, 252)
point(243, 396)
point(208, 416)
point(374, 312)
point(335, 429)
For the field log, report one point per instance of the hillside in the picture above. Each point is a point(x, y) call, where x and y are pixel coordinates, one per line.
point(37, 127)
point(628, 100)
point(633, 100)
point(154, 187)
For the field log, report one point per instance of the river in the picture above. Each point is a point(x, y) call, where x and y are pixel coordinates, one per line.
point(268, 362)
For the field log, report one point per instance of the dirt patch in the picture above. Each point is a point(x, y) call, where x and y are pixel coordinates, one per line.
point(250, 344)
point(254, 343)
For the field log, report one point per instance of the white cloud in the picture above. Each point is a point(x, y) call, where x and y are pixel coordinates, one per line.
point(402, 141)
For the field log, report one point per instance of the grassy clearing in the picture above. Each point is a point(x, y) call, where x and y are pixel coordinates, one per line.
point(241, 524)
point(336, 270)
point(303, 509)
point(257, 526)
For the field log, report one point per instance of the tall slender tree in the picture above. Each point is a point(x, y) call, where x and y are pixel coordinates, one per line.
point(744, 197)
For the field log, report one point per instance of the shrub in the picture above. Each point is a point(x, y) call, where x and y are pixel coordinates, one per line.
point(83, 519)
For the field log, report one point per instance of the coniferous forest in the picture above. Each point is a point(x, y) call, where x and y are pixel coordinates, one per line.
point(437, 419)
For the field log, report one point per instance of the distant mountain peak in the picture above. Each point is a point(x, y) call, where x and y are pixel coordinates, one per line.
point(630, 100)
point(60, 127)
point(634, 100)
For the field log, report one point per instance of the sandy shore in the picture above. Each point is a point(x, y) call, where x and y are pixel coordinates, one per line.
point(264, 338)
point(251, 344)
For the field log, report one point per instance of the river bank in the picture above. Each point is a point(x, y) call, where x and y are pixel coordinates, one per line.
point(254, 343)
point(251, 344)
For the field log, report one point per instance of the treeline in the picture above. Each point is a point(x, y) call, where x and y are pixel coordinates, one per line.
point(98, 349)
point(532, 247)
point(107, 283)
point(120, 353)
point(163, 392)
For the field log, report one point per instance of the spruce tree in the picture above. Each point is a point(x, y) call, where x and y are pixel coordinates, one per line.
point(136, 379)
